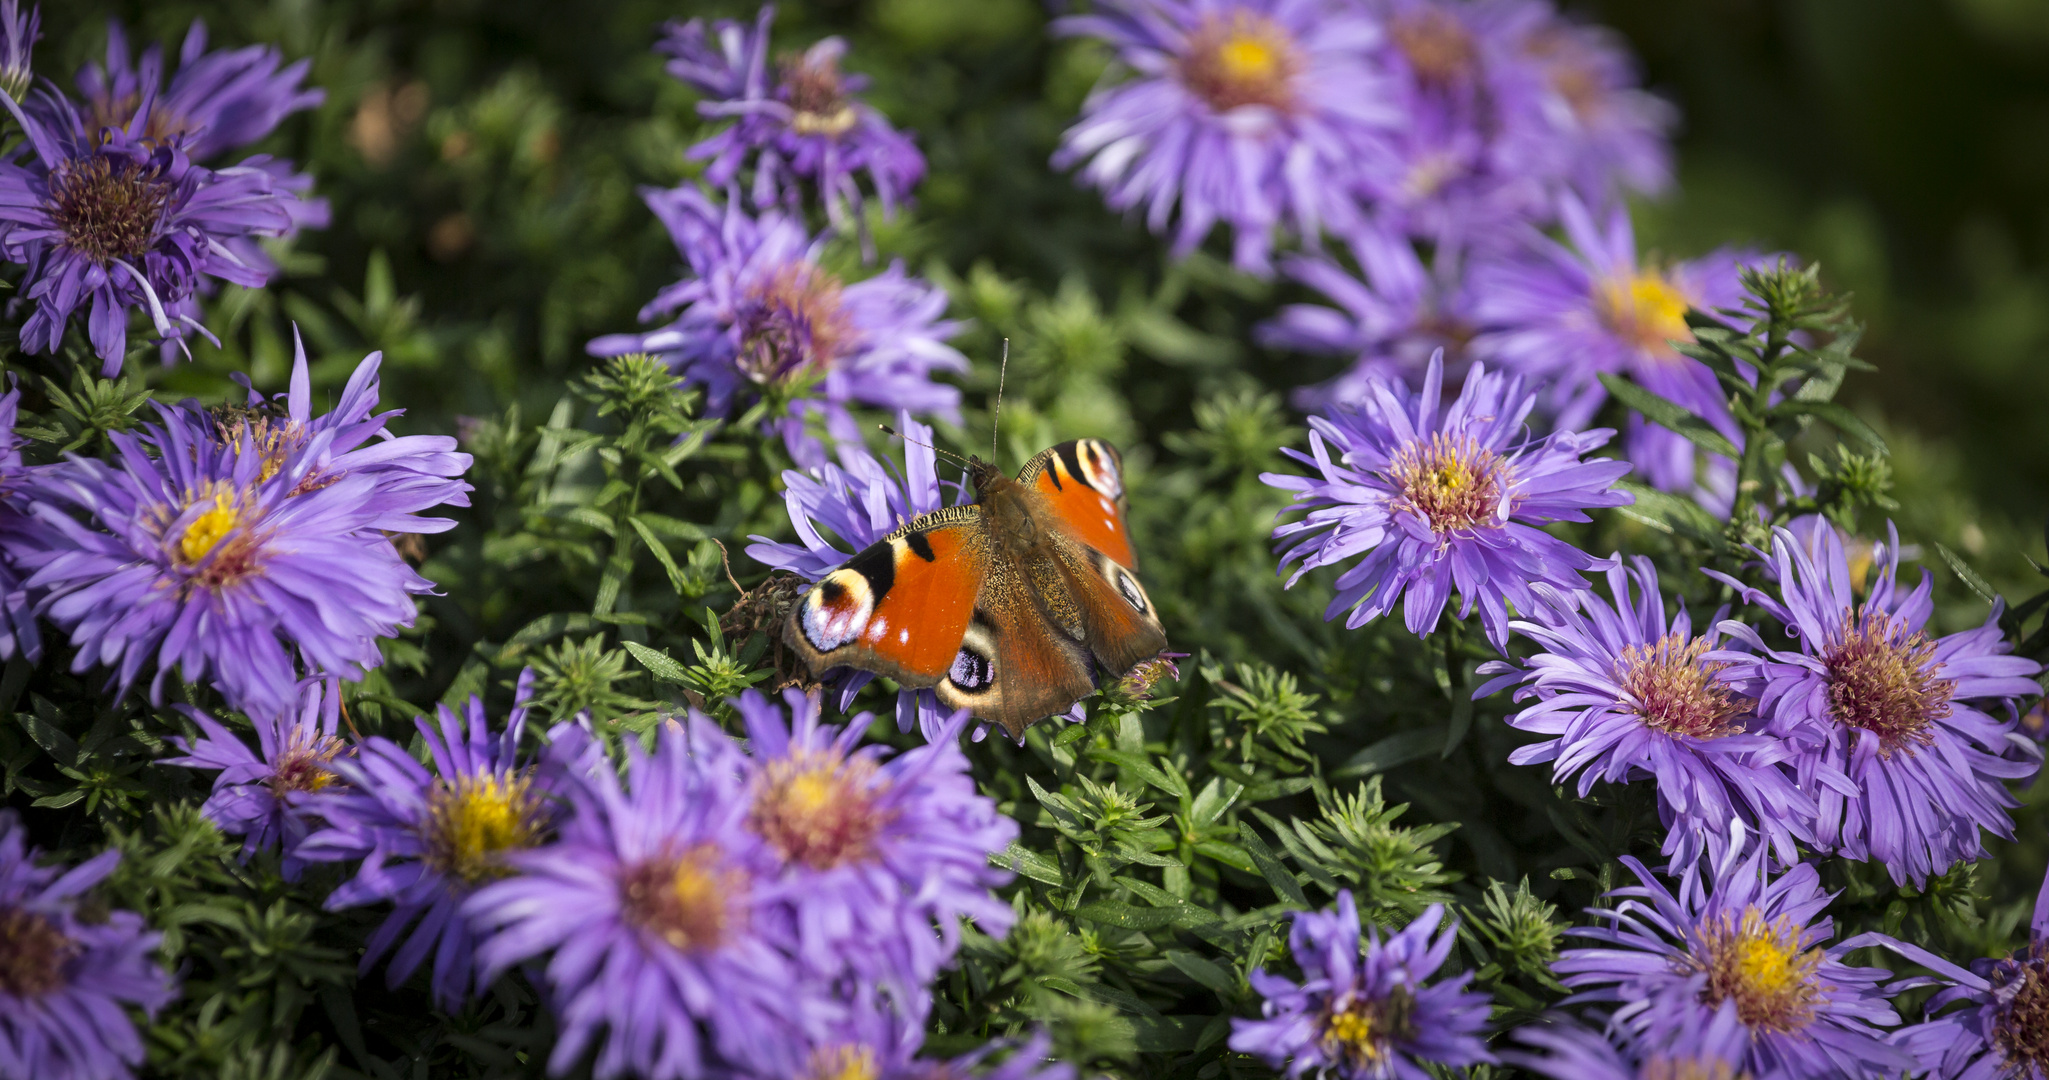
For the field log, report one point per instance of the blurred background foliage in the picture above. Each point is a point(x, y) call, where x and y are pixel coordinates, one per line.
point(482, 155)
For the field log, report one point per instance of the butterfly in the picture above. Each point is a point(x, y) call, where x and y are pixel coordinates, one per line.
point(1004, 606)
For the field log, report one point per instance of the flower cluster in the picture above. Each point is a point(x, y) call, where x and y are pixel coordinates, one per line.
point(238, 544)
point(1440, 499)
point(120, 204)
point(1365, 1014)
point(1442, 121)
point(65, 977)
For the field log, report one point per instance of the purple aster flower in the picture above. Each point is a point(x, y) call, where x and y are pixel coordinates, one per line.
point(18, 34)
point(1604, 133)
point(883, 856)
point(1994, 1016)
point(1365, 1014)
point(1626, 696)
point(219, 101)
point(1252, 113)
point(1437, 501)
point(1904, 717)
point(1565, 314)
point(1740, 942)
point(18, 631)
point(65, 981)
point(428, 839)
point(262, 797)
point(666, 922)
point(759, 315)
point(1579, 1054)
point(112, 220)
point(223, 557)
point(799, 122)
point(1392, 319)
point(872, 1045)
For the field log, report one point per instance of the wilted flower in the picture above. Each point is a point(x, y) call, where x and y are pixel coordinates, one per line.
point(759, 315)
point(64, 980)
point(799, 121)
point(113, 220)
point(1738, 941)
point(215, 102)
point(228, 552)
point(1365, 1014)
point(1905, 755)
point(1436, 501)
point(665, 918)
point(1253, 113)
point(262, 797)
point(883, 856)
point(1563, 315)
point(1627, 697)
point(429, 839)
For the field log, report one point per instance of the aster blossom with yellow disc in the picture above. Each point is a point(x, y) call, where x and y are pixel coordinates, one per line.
point(1433, 500)
point(884, 856)
point(1626, 695)
point(1734, 939)
point(1253, 114)
point(261, 796)
point(1366, 1013)
point(1912, 737)
point(429, 838)
point(227, 557)
point(668, 929)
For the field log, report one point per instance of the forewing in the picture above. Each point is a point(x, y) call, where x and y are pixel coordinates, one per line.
point(901, 607)
point(1083, 483)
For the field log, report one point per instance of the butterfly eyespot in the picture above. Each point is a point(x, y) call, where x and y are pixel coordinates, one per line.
point(837, 610)
point(1098, 468)
point(1128, 585)
point(971, 671)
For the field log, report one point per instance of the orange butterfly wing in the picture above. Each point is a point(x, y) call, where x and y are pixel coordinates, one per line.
point(901, 607)
point(1083, 482)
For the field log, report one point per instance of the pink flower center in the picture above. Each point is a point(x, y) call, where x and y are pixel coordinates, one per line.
point(1437, 46)
point(108, 209)
point(689, 900)
point(2022, 1028)
point(819, 809)
point(1453, 481)
point(33, 953)
point(1881, 679)
point(817, 94)
point(304, 765)
point(792, 325)
point(1674, 692)
point(1245, 60)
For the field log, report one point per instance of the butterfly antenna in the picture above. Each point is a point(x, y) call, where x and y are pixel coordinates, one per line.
point(996, 422)
point(919, 442)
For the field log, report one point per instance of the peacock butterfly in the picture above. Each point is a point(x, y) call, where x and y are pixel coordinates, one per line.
point(1003, 606)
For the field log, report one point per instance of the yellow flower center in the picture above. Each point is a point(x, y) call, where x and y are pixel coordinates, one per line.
point(209, 528)
point(1247, 60)
point(1358, 1032)
point(819, 809)
point(1454, 482)
point(843, 1063)
point(689, 900)
point(1761, 967)
point(304, 764)
point(1645, 310)
point(472, 822)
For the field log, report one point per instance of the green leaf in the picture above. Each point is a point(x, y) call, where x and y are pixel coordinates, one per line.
point(1112, 913)
point(1137, 766)
point(1028, 863)
point(1168, 1034)
point(658, 664)
point(1270, 868)
point(1836, 416)
point(1661, 410)
point(1205, 972)
point(1398, 749)
point(1968, 576)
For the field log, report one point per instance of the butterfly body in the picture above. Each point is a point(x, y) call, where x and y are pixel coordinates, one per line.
point(1005, 606)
